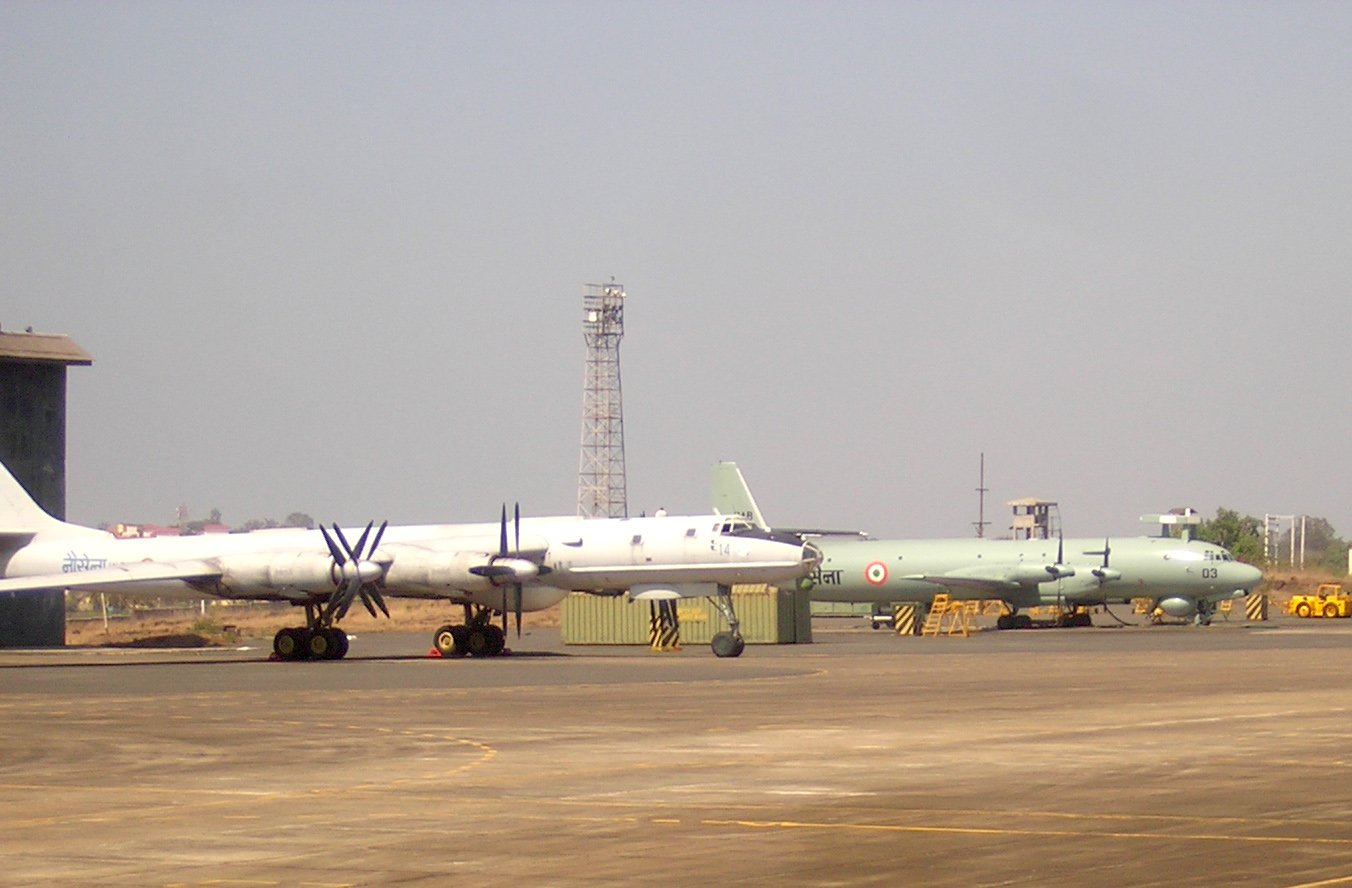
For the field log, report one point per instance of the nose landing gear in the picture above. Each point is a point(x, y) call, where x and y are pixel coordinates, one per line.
point(730, 643)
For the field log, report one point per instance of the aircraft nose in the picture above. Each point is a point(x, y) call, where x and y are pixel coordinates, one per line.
point(1248, 577)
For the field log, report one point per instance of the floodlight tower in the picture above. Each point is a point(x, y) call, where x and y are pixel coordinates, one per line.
point(601, 489)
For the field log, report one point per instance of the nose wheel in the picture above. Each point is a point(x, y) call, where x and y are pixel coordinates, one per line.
point(725, 644)
point(730, 643)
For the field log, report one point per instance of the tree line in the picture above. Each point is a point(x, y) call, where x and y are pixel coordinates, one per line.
point(1243, 536)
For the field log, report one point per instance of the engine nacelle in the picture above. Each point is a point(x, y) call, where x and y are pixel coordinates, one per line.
point(1178, 606)
point(301, 570)
point(437, 571)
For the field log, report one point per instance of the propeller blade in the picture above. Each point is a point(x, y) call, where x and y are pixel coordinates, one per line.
point(502, 545)
point(342, 539)
point(345, 597)
point(504, 591)
point(517, 521)
point(376, 542)
point(361, 541)
point(366, 600)
point(333, 549)
point(1060, 549)
point(380, 601)
point(1106, 550)
point(516, 596)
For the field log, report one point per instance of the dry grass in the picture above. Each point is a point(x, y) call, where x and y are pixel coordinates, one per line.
point(1282, 584)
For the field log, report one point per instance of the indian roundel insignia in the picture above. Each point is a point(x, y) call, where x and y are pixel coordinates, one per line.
point(876, 573)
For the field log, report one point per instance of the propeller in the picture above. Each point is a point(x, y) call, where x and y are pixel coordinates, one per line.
point(1060, 570)
point(509, 570)
point(361, 576)
point(516, 587)
point(1105, 573)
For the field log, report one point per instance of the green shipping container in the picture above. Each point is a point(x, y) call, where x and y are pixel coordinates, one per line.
point(841, 609)
point(767, 616)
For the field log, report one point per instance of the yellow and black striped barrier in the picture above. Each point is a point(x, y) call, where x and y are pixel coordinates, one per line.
point(664, 628)
point(1256, 607)
point(904, 619)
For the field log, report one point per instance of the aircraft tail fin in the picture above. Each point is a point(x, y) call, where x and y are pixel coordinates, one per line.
point(19, 513)
point(731, 495)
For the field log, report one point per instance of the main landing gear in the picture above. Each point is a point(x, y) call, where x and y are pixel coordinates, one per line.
point(1014, 621)
point(477, 637)
point(318, 639)
point(730, 643)
point(1077, 617)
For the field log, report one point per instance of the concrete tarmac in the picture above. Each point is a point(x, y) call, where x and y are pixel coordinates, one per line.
point(1088, 757)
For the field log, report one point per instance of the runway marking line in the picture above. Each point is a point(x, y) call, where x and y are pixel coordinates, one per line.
point(1341, 880)
point(1025, 833)
point(228, 882)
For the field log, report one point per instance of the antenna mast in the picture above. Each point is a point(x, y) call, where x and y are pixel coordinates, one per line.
point(981, 522)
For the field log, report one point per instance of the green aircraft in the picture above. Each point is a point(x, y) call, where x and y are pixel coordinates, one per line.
point(1185, 578)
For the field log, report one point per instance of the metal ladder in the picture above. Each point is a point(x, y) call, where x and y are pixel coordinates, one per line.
point(935, 618)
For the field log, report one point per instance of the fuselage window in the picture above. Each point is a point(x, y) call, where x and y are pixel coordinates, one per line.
point(690, 532)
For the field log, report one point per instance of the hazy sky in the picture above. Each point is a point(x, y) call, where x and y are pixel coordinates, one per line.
point(330, 257)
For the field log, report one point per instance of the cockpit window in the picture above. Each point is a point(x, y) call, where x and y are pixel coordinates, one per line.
point(735, 525)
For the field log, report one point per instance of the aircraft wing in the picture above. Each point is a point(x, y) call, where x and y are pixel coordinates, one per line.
point(137, 572)
point(995, 578)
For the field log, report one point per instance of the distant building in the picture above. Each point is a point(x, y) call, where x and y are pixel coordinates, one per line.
point(33, 448)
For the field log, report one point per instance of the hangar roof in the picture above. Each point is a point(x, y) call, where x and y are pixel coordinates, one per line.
point(46, 348)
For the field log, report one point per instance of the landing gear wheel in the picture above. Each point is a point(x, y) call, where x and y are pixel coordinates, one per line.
point(290, 644)
point(477, 642)
point(448, 642)
point(725, 644)
point(320, 645)
point(497, 640)
point(338, 643)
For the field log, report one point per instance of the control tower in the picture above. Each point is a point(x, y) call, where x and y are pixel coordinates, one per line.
point(1034, 519)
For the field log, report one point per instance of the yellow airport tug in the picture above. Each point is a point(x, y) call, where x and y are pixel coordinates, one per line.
point(1329, 600)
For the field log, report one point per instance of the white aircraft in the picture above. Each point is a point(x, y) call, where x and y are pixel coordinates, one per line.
point(470, 564)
